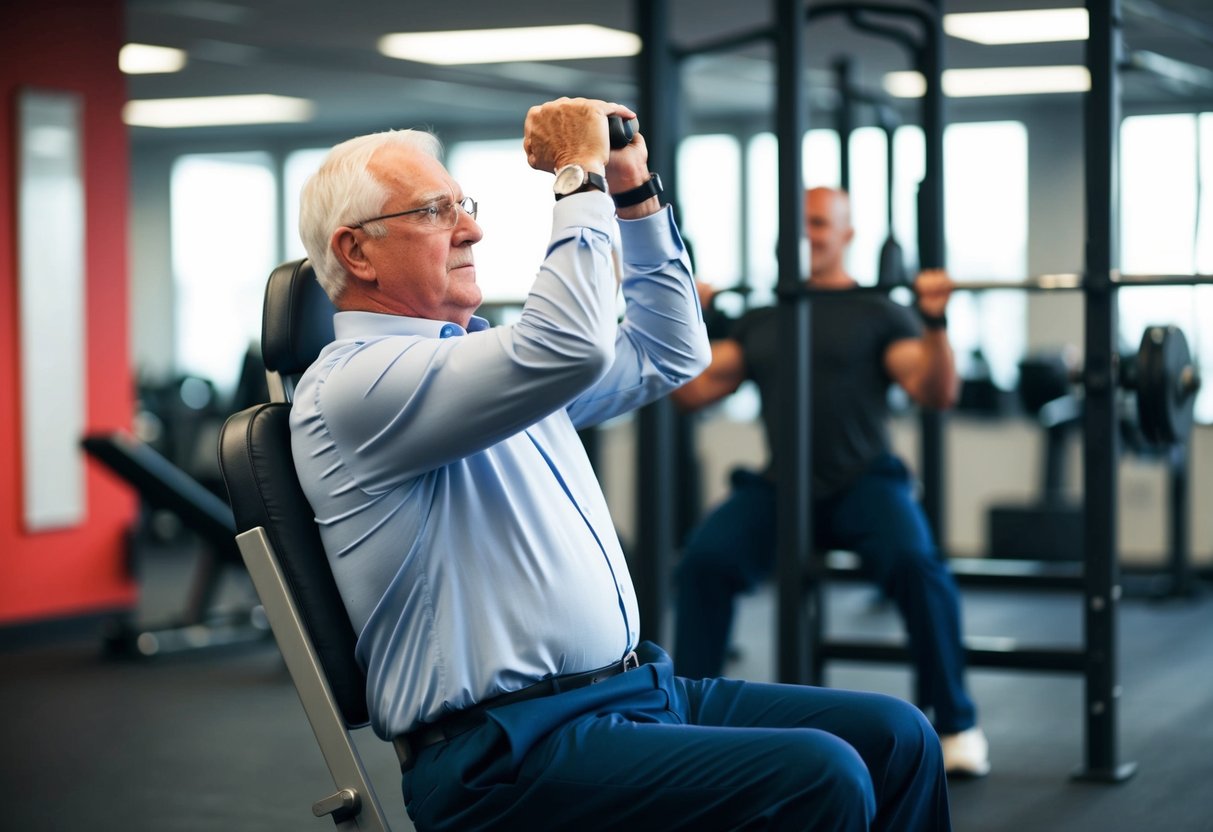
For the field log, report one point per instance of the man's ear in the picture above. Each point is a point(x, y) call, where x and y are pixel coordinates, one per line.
point(350, 254)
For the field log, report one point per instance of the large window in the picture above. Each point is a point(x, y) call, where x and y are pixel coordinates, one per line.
point(225, 234)
point(1166, 212)
point(298, 167)
point(709, 202)
point(515, 204)
point(986, 205)
point(821, 153)
point(224, 245)
point(1204, 229)
point(986, 224)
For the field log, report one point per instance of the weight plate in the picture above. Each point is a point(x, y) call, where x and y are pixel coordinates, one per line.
point(1166, 394)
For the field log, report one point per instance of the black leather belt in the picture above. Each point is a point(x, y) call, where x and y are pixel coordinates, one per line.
point(409, 744)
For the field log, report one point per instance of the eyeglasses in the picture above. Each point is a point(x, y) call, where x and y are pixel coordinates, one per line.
point(442, 214)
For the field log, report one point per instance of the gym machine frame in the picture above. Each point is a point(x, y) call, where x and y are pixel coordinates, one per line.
point(1099, 580)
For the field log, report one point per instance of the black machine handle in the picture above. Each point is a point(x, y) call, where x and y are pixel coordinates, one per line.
point(621, 131)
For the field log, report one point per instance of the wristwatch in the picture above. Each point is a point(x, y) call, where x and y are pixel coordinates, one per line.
point(639, 194)
point(573, 178)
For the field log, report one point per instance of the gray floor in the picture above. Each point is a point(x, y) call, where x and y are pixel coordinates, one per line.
point(1034, 720)
point(217, 740)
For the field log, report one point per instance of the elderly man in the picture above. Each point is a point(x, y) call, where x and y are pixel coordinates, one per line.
point(473, 546)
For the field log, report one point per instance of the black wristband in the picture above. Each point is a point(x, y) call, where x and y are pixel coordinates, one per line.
point(640, 193)
point(933, 321)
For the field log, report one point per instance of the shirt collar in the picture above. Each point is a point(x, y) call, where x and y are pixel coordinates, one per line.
point(350, 325)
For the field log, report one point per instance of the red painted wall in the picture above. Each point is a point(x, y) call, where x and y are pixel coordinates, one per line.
point(69, 45)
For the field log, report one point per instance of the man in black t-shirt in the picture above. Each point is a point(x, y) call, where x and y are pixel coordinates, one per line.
point(863, 496)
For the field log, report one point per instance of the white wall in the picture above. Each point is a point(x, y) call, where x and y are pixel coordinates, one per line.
point(988, 462)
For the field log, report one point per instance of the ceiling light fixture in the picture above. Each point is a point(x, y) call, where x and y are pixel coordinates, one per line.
point(490, 46)
point(217, 110)
point(144, 59)
point(975, 83)
point(1028, 26)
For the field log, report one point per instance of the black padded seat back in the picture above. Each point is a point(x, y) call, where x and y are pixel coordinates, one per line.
point(255, 456)
point(296, 320)
point(163, 485)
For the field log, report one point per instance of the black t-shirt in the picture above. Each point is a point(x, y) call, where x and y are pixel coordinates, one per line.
point(849, 335)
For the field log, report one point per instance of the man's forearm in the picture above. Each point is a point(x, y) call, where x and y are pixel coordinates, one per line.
point(662, 341)
point(940, 384)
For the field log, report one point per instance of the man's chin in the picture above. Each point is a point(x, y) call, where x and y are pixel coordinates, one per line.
point(473, 303)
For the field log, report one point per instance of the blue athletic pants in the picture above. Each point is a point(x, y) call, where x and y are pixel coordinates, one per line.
point(880, 520)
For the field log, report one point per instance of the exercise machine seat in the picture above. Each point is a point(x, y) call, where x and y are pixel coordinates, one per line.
point(280, 542)
point(255, 455)
point(296, 324)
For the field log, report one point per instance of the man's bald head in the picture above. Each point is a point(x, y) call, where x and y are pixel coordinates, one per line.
point(827, 217)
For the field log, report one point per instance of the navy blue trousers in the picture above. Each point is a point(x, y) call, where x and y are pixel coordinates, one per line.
point(646, 750)
point(879, 519)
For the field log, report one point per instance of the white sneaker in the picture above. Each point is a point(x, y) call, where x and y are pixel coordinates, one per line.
point(966, 754)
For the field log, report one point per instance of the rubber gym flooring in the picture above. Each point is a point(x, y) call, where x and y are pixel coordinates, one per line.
point(216, 740)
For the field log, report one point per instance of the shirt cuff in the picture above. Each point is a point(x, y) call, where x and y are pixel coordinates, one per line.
point(590, 209)
point(651, 240)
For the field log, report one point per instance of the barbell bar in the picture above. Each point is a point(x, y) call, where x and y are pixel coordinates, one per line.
point(1162, 372)
point(1060, 282)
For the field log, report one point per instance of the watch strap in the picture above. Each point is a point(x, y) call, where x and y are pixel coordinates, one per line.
point(592, 181)
point(640, 193)
point(933, 321)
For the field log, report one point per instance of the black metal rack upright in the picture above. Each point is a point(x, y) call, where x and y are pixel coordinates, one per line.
point(656, 425)
point(1101, 435)
point(794, 533)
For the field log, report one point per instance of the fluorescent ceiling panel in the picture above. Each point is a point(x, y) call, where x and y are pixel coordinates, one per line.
point(1029, 26)
point(975, 83)
point(490, 46)
point(217, 110)
point(143, 59)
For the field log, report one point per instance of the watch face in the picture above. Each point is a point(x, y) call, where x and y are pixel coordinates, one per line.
point(568, 179)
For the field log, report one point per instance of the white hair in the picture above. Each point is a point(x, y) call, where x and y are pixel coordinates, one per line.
point(342, 192)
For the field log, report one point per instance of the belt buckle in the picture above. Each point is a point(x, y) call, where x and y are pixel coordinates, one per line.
point(631, 661)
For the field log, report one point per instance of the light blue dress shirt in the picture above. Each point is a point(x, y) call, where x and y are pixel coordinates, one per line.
point(465, 527)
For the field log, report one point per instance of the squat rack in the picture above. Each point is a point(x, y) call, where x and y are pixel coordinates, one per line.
point(660, 110)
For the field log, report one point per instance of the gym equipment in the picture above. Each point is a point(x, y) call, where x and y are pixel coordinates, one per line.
point(1049, 527)
point(919, 29)
point(1161, 373)
point(1167, 383)
point(280, 543)
point(892, 271)
point(162, 485)
point(892, 263)
point(620, 131)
